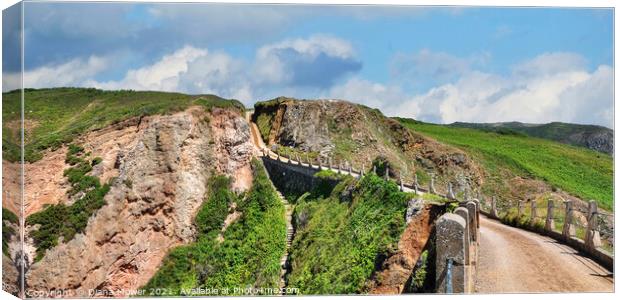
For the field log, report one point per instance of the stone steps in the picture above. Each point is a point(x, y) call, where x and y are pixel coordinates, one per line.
point(290, 234)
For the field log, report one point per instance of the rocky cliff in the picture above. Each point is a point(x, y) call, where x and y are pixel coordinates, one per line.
point(348, 133)
point(158, 167)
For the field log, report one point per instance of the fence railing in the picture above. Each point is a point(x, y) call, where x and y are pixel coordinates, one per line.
point(559, 219)
point(345, 167)
point(449, 263)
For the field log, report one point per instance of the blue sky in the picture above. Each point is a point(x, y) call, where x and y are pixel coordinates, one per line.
point(437, 64)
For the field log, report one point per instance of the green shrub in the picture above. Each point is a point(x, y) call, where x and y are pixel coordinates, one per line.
point(326, 182)
point(419, 276)
point(213, 212)
point(96, 161)
point(8, 232)
point(340, 239)
point(9, 216)
point(74, 149)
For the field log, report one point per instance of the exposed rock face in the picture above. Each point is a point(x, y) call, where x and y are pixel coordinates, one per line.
point(349, 132)
point(10, 276)
point(161, 165)
point(599, 141)
point(396, 270)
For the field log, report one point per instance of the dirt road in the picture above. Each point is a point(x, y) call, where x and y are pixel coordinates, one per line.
point(512, 260)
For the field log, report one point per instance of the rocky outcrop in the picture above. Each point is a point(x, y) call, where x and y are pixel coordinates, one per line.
point(348, 132)
point(158, 167)
point(602, 141)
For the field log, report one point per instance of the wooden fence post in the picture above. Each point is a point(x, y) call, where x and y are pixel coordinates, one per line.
point(593, 237)
point(549, 222)
point(568, 230)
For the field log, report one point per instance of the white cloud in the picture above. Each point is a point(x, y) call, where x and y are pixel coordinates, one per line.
point(368, 93)
point(551, 64)
point(546, 88)
point(549, 87)
point(72, 73)
point(316, 61)
point(160, 76)
point(311, 64)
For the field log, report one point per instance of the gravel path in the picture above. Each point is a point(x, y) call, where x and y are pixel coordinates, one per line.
point(512, 260)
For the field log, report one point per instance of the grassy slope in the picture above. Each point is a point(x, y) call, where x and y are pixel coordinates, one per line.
point(250, 254)
point(584, 173)
point(61, 114)
point(556, 131)
point(340, 238)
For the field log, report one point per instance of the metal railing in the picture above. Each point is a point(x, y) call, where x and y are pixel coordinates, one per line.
point(449, 263)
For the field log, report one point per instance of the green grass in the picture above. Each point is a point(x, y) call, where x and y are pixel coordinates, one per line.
point(250, 254)
point(263, 121)
point(340, 239)
point(62, 114)
point(293, 153)
point(420, 281)
point(66, 221)
point(556, 131)
point(264, 113)
point(8, 231)
point(584, 173)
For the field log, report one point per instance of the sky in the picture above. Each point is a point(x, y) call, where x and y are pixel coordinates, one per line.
point(435, 64)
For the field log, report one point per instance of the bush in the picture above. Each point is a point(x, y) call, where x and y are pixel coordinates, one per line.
point(9, 216)
point(341, 242)
point(96, 161)
point(8, 232)
point(213, 212)
point(326, 182)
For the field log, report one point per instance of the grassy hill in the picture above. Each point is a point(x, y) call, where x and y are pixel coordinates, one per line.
point(56, 116)
point(593, 137)
point(581, 172)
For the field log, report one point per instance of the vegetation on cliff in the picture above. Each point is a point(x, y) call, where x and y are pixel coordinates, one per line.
point(66, 221)
point(344, 234)
point(581, 172)
point(248, 256)
point(56, 116)
point(8, 231)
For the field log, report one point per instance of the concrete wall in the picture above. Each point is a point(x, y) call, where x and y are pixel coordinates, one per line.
point(290, 178)
point(456, 240)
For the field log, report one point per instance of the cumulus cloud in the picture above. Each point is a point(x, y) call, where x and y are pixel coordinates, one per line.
point(317, 61)
point(550, 87)
point(369, 93)
point(312, 64)
point(72, 73)
point(163, 75)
